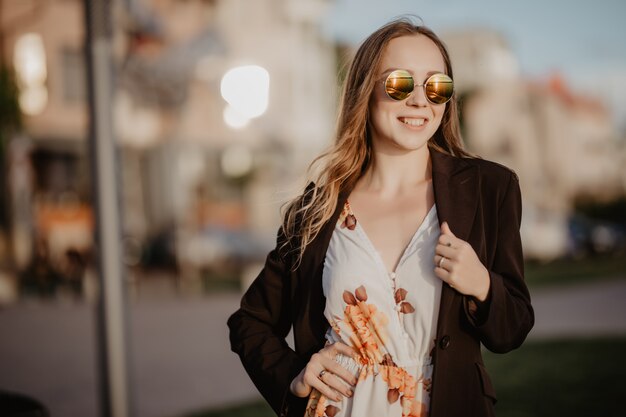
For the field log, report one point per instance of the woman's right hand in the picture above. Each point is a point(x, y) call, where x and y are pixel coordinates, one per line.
point(334, 380)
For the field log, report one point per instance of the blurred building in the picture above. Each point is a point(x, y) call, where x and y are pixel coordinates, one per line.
point(563, 146)
point(196, 178)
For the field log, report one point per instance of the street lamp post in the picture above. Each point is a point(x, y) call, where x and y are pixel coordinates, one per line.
point(112, 326)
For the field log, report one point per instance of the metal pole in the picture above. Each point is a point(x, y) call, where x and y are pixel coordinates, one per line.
point(111, 325)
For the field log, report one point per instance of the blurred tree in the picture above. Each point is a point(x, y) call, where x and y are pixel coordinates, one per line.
point(10, 114)
point(613, 211)
point(10, 122)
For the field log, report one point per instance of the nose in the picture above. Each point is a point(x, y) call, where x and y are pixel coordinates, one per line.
point(418, 97)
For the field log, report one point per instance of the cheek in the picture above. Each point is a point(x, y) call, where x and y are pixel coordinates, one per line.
point(439, 114)
point(381, 114)
point(374, 116)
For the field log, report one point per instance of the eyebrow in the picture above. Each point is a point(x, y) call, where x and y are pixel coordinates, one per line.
point(389, 70)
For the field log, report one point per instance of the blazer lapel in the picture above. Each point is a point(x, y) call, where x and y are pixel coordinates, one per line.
point(455, 184)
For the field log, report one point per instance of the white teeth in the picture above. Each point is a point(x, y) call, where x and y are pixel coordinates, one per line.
point(412, 122)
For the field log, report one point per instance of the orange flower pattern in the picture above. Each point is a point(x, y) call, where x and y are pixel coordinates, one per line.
point(368, 336)
point(365, 326)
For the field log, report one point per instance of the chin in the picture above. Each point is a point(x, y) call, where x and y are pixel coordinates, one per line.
point(410, 144)
point(413, 142)
point(401, 140)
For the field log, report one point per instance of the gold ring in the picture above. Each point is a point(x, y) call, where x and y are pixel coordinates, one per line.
point(321, 374)
point(441, 261)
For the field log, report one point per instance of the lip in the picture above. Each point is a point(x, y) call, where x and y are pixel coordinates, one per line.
point(408, 126)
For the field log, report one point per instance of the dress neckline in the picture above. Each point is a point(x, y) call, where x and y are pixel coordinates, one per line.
point(418, 232)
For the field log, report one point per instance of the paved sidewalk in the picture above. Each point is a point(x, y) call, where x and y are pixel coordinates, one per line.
point(583, 310)
point(181, 359)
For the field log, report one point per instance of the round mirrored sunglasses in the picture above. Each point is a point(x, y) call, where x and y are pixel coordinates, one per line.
point(399, 85)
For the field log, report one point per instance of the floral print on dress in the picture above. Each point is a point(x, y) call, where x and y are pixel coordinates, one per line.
point(317, 406)
point(366, 326)
point(347, 218)
point(405, 306)
point(403, 386)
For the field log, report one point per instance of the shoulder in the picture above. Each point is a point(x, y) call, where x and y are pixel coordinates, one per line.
point(492, 168)
point(497, 182)
point(487, 170)
point(493, 172)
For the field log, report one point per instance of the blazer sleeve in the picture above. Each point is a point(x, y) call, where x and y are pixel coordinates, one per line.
point(259, 327)
point(506, 317)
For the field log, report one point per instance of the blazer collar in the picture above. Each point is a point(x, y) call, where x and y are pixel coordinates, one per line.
point(455, 184)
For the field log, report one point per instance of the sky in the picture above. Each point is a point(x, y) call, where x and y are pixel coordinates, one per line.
point(583, 41)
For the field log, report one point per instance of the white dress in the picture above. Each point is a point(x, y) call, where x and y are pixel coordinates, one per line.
point(390, 318)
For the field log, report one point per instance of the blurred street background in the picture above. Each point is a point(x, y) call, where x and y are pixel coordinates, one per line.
point(218, 107)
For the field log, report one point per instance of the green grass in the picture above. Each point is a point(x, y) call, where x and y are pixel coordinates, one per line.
point(561, 378)
point(569, 378)
point(573, 271)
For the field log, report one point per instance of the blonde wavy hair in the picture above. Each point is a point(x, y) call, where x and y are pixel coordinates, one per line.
point(351, 154)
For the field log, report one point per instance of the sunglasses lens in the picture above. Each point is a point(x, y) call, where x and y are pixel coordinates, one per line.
point(439, 88)
point(399, 84)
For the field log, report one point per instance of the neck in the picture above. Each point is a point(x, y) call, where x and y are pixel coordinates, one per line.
point(392, 174)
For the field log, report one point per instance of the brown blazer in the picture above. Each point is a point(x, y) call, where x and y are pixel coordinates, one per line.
point(481, 201)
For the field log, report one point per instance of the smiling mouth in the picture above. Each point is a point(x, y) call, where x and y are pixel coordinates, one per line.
point(412, 121)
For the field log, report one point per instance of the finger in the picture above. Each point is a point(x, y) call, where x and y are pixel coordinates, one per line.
point(339, 347)
point(439, 261)
point(348, 351)
point(444, 275)
point(336, 383)
point(339, 370)
point(448, 240)
point(311, 376)
point(324, 389)
point(446, 264)
point(300, 388)
point(446, 251)
point(342, 372)
point(445, 229)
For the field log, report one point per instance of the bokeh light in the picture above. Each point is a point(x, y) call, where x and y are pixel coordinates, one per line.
point(246, 89)
point(29, 60)
point(234, 118)
point(236, 161)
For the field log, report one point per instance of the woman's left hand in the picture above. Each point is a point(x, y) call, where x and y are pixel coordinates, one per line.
point(457, 264)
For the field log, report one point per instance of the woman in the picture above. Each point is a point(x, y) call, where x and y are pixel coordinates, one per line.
point(394, 331)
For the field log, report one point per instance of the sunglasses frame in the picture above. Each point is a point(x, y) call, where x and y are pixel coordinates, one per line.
point(407, 74)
